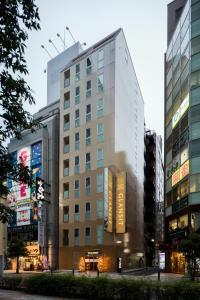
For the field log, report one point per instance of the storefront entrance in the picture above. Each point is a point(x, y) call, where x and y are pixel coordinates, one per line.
point(177, 262)
point(91, 263)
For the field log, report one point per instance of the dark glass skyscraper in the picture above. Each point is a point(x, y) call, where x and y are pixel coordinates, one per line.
point(182, 128)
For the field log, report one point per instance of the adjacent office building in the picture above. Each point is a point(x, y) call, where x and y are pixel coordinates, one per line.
point(153, 196)
point(101, 159)
point(182, 127)
point(34, 221)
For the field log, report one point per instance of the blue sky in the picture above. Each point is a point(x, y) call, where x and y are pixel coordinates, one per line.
point(144, 24)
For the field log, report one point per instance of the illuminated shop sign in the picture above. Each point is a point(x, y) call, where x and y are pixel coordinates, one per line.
point(180, 173)
point(108, 200)
point(180, 112)
point(39, 189)
point(121, 203)
point(162, 260)
point(23, 216)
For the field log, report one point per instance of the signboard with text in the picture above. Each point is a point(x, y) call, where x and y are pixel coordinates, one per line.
point(108, 200)
point(121, 202)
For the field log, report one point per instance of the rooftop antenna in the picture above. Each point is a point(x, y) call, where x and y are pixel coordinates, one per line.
point(63, 41)
point(50, 41)
point(71, 34)
point(43, 47)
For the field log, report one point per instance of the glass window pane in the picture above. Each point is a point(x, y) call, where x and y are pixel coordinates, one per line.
point(195, 28)
point(195, 183)
point(195, 130)
point(195, 165)
point(195, 148)
point(195, 79)
point(195, 11)
point(185, 41)
point(195, 62)
point(195, 96)
point(195, 114)
point(195, 45)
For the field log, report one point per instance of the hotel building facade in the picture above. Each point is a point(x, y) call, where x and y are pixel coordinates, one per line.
point(101, 159)
point(182, 128)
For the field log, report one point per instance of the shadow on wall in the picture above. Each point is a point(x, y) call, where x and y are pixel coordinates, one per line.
point(134, 210)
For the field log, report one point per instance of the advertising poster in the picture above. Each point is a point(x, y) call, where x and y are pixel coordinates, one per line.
point(24, 158)
point(23, 216)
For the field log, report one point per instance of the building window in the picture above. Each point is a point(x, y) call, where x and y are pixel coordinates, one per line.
point(195, 148)
point(67, 100)
point(66, 167)
point(66, 214)
point(66, 190)
point(99, 211)
point(77, 188)
point(76, 213)
point(87, 161)
point(77, 165)
point(100, 157)
point(77, 95)
point(77, 141)
point(87, 236)
point(88, 137)
point(67, 78)
point(100, 58)
point(88, 89)
point(87, 211)
point(66, 122)
point(100, 108)
point(88, 186)
point(66, 145)
point(99, 234)
point(88, 113)
point(195, 183)
point(99, 182)
point(65, 237)
point(77, 118)
point(77, 76)
point(100, 83)
point(76, 236)
point(88, 66)
point(100, 132)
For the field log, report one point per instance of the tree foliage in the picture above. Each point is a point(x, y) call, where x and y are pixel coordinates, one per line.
point(17, 17)
point(191, 248)
point(16, 248)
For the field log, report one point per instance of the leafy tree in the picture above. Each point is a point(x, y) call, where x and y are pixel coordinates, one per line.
point(16, 18)
point(16, 248)
point(191, 248)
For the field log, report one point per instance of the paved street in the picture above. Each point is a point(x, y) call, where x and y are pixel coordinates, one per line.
point(10, 295)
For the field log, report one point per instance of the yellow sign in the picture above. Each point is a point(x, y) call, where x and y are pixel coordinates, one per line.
point(121, 203)
point(181, 173)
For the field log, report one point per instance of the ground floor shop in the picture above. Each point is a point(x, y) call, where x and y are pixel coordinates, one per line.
point(33, 262)
point(103, 259)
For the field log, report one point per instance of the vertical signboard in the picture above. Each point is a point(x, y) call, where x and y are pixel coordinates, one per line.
point(121, 202)
point(24, 159)
point(108, 200)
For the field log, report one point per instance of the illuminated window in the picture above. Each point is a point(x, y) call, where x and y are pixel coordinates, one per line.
point(183, 221)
